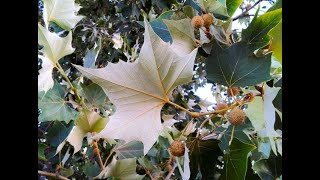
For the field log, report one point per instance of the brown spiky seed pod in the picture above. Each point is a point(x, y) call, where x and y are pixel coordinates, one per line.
point(197, 22)
point(221, 106)
point(235, 91)
point(177, 148)
point(236, 116)
point(207, 20)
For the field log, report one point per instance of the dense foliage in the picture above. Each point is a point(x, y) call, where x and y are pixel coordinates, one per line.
point(160, 89)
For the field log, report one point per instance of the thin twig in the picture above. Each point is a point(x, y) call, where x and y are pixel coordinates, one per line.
point(203, 123)
point(105, 163)
point(243, 13)
point(52, 175)
point(171, 172)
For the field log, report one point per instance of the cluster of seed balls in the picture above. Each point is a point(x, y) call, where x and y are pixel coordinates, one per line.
point(205, 20)
point(236, 117)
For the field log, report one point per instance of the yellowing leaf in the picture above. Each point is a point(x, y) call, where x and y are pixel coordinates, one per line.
point(62, 12)
point(54, 48)
point(88, 121)
point(140, 89)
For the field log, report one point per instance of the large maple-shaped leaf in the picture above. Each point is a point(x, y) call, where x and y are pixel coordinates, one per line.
point(140, 89)
point(236, 161)
point(54, 48)
point(54, 106)
point(62, 12)
point(237, 65)
point(256, 35)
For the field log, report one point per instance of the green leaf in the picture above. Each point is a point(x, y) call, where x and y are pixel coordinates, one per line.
point(256, 35)
point(66, 172)
point(275, 6)
point(54, 48)
point(236, 161)
point(91, 55)
point(129, 150)
point(182, 34)
point(93, 94)
point(193, 5)
point(54, 106)
point(86, 122)
point(217, 7)
point(238, 134)
point(232, 6)
point(41, 148)
point(91, 169)
point(237, 66)
point(139, 90)
point(276, 46)
point(124, 169)
point(160, 27)
point(57, 133)
point(187, 10)
point(204, 156)
point(62, 12)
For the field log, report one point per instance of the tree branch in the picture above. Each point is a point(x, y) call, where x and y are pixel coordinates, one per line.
point(52, 175)
point(247, 10)
point(171, 172)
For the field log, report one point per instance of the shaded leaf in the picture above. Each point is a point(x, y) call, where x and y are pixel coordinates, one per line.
point(203, 156)
point(57, 133)
point(54, 106)
point(94, 94)
point(256, 35)
point(236, 161)
point(160, 27)
point(238, 134)
point(66, 172)
point(91, 169)
point(237, 66)
point(62, 12)
point(41, 148)
point(91, 55)
point(140, 89)
point(129, 150)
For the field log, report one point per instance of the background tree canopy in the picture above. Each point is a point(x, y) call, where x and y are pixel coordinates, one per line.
point(121, 89)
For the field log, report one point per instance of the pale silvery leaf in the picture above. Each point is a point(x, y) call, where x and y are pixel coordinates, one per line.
point(191, 103)
point(269, 109)
point(62, 12)
point(182, 34)
point(204, 104)
point(54, 47)
point(191, 128)
point(45, 81)
point(185, 172)
point(140, 89)
point(168, 120)
point(117, 40)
